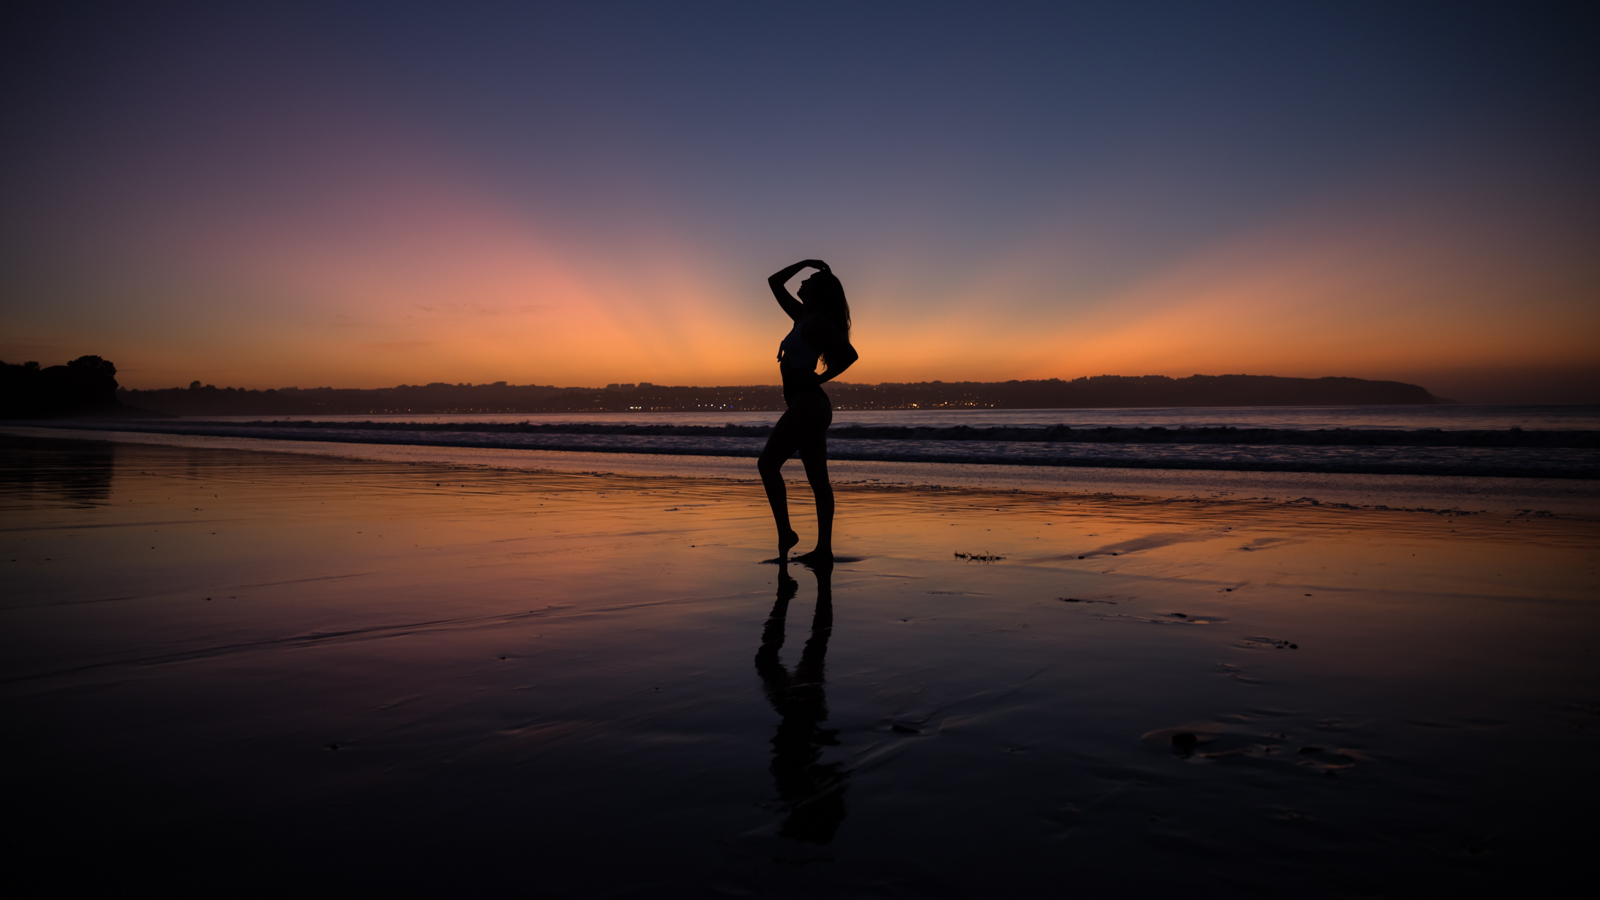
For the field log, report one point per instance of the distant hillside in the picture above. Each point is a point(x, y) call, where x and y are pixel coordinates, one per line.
point(209, 400)
point(88, 384)
point(1099, 392)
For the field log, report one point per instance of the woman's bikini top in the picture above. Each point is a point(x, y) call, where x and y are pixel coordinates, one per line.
point(795, 353)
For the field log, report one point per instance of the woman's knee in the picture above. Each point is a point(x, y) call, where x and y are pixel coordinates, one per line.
point(769, 464)
point(816, 464)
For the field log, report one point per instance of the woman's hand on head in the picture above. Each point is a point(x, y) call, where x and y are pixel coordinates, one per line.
point(815, 264)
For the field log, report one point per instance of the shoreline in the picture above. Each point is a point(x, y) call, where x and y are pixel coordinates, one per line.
point(1470, 494)
point(1553, 455)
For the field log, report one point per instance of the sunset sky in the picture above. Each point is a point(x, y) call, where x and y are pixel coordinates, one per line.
point(368, 194)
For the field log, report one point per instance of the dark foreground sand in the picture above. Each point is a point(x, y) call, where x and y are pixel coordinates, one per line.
point(228, 671)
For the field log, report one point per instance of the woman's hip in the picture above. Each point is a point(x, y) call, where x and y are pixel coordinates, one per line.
point(810, 406)
point(803, 427)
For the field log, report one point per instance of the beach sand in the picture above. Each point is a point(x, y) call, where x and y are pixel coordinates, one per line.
point(225, 668)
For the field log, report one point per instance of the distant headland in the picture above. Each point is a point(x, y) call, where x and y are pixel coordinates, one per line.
point(88, 386)
point(1098, 392)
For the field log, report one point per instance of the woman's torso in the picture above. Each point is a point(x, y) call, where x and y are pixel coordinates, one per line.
point(797, 361)
point(794, 352)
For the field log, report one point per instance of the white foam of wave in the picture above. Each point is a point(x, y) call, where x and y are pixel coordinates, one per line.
point(1499, 495)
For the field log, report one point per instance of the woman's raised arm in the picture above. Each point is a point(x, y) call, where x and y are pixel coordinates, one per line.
point(780, 278)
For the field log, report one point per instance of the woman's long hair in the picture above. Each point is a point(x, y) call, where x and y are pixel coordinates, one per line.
point(825, 295)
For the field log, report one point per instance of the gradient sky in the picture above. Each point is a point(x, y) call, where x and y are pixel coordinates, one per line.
point(367, 194)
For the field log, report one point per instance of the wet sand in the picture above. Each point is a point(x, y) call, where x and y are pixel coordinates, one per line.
point(414, 677)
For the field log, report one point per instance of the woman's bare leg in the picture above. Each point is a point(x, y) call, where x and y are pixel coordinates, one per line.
point(817, 473)
point(771, 468)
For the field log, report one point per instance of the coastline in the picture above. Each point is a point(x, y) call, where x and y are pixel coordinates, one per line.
point(1507, 496)
point(1494, 453)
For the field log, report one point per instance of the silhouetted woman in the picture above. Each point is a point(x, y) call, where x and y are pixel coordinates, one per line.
point(821, 331)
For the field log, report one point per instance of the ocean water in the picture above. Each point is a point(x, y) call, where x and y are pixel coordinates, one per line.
point(1561, 442)
point(1447, 417)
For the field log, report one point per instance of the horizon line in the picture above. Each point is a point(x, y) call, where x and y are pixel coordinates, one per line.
point(197, 385)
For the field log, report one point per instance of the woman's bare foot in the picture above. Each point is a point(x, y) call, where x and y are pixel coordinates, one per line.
point(786, 541)
point(816, 558)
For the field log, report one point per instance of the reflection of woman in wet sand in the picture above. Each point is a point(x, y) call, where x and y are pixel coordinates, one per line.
point(821, 330)
point(812, 791)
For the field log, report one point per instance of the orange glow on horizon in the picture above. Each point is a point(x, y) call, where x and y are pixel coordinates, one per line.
point(416, 276)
